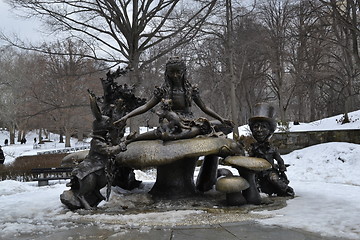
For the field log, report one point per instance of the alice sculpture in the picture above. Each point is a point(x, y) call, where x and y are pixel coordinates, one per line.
point(180, 138)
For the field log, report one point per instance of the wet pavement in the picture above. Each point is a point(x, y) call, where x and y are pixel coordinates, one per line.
point(227, 231)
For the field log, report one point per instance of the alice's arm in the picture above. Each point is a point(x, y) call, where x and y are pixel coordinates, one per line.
point(137, 111)
point(198, 101)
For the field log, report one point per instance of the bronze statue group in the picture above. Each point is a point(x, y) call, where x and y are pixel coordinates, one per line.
point(176, 122)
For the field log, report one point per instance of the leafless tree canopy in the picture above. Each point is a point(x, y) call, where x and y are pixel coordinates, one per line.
point(48, 91)
point(119, 31)
point(301, 55)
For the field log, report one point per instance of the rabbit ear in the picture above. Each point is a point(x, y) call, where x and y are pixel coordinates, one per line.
point(95, 107)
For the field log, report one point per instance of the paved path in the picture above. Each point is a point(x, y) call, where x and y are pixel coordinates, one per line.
point(247, 230)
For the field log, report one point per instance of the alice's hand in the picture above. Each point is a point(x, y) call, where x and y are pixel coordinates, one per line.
point(228, 122)
point(121, 122)
point(123, 146)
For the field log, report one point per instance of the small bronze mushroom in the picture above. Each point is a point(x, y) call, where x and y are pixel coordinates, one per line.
point(233, 187)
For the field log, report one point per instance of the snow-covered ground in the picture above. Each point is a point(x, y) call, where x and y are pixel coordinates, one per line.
point(331, 123)
point(30, 148)
point(325, 178)
point(327, 186)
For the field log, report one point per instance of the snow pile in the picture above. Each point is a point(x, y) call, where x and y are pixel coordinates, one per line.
point(327, 186)
point(331, 123)
point(335, 162)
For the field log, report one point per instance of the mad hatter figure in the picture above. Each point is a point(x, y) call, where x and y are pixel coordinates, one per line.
point(262, 126)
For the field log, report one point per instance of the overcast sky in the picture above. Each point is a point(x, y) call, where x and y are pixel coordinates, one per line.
point(11, 24)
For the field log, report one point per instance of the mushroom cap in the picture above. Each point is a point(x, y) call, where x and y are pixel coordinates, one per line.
point(251, 163)
point(153, 153)
point(74, 158)
point(231, 184)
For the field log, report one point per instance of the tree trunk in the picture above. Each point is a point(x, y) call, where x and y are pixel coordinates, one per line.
point(61, 138)
point(312, 102)
point(12, 133)
point(281, 109)
point(40, 135)
point(67, 138)
point(230, 51)
point(80, 135)
point(136, 81)
point(46, 132)
point(234, 106)
point(23, 134)
point(19, 137)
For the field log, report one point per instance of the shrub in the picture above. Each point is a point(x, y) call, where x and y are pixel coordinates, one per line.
point(21, 167)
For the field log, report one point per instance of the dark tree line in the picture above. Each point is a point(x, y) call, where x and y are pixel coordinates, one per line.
point(300, 55)
point(46, 91)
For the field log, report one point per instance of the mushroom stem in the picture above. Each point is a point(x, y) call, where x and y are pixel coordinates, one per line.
point(208, 173)
point(235, 199)
point(252, 194)
point(233, 187)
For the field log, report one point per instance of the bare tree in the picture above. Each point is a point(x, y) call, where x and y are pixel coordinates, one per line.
point(229, 61)
point(308, 60)
point(342, 16)
point(13, 89)
point(251, 65)
point(276, 16)
point(59, 89)
point(119, 31)
point(217, 57)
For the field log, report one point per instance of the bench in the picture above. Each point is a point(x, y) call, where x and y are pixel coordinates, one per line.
point(43, 175)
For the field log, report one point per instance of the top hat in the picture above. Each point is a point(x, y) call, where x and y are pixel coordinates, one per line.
point(263, 112)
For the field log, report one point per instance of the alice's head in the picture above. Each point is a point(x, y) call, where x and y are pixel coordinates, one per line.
point(176, 76)
point(175, 70)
